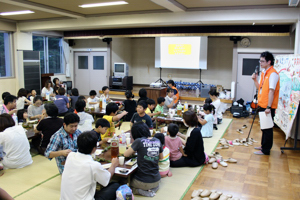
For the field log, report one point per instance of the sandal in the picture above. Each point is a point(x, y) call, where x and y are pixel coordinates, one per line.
point(244, 126)
point(215, 195)
point(231, 160)
point(205, 193)
point(214, 165)
point(223, 147)
point(223, 163)
point(212, 160)
point(196, 193)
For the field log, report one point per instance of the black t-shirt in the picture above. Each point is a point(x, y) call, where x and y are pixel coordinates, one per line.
point(143, 98)
point(146, 119)
point(49, 126)
point(97, 134)
point(194, 146)
point(130, 107)
point(148, 151)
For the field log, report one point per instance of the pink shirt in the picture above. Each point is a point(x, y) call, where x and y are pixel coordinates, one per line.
point(173, 144)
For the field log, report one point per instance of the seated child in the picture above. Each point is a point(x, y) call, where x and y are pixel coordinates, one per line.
point(32, 94)
point(82, 173)
point(92, 100)
point(164, 164)
point(207, 122)
point(62, 102)
point(22, 94)
point(141, 115)
point(80, 98)
point(22, 115)
point(160, 105)
point(74, 97)
point(100, 128)
point(174, 143)
point(151, 106)
point(129, 105)
point(86, 119)
point(209, 101)
point(169, 100)
point(111, 116)
point(105, 94)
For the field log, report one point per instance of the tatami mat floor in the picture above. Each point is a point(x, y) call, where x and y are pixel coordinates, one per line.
point(41, 180)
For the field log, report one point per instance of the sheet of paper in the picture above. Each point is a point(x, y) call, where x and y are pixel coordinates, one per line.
point(98, 152)
point(266, 121)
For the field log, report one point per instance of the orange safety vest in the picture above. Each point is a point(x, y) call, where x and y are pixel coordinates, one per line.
point(177, 94)
point(263, 92)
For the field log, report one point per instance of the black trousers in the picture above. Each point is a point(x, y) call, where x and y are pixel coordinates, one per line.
point(267, 135)
point(108, 192)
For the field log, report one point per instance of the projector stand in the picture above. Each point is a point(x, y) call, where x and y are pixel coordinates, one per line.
point(200, 82)
point(163, 83)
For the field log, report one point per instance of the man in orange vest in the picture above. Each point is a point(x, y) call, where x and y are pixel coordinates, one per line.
point(268, 94)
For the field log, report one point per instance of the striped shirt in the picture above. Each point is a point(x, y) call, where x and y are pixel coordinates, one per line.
point(62, 141)
point(164, 164)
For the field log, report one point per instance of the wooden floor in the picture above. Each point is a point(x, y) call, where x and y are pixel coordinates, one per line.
point(254, 176)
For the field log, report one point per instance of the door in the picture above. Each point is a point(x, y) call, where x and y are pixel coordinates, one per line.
point(90, 71)
point(245, 87)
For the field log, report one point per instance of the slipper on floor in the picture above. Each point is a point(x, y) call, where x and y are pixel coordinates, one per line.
point(215, 195)
point(214, 165)
point(240, 131)
point(223, 163)
point(244, 126)
point(196, 193)
point(225, 197)
point(252, 140)
point(258, 148)
point(231, 160)
point(236, 143)
point(212, 160)
point(205, 193)
point(259, 153)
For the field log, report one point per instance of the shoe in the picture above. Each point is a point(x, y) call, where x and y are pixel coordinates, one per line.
point(223, 163)
point(259, 153)
point(258, 148)
point(197, 198)
point(223, 147)
point(244, 126)
point(240, 131)
point(212, 160)
point(225, 197)
point(196, 193)
point(205, 193)
point(236, 143)
point(214, 165)
point(252, 140)
point(215, 195)
point(212, 155)
point(231, 160)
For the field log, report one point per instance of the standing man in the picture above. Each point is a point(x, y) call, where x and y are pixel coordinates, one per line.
point(268, 94)
point(64, 141)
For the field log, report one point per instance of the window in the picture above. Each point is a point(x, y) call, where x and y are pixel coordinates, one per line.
point(5, 58)
point(50, 49)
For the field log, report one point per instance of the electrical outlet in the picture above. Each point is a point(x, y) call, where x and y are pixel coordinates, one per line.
point(169, 76)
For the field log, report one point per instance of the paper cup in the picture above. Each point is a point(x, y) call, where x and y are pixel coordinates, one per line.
point(128, 141)
point(121, 160)
point(151, 131)
point(127, 135)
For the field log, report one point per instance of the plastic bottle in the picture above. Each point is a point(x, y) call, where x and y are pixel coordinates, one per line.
point(114, 147)
point(15, 118)
point(100, 105)
point(103, 102)
point(129, 196)
point(179, 109)
point(186, 107)
point(197, 92)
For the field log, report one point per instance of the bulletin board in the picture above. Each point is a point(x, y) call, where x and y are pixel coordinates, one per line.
point(288, 67)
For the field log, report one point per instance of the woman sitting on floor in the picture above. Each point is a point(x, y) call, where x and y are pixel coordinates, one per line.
point(147, 178)
point(194, 148)
point(15, 144)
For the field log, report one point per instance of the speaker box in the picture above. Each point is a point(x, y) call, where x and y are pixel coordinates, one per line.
point(110, 82)
point(127, 83)
point(71, 43)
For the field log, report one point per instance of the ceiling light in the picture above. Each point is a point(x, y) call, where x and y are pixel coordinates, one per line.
point(253, 23)
point(17, 12)
point(103, 4)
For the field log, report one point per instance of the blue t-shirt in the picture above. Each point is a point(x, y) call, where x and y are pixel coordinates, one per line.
point(207, 129)
point(61, 103)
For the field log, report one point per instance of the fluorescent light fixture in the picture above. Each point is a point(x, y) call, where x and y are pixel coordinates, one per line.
point(114, 3)
point(17, 12)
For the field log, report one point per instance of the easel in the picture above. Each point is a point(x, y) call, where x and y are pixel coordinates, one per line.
point(163, 83)
point(200, 81)
point(295, 136)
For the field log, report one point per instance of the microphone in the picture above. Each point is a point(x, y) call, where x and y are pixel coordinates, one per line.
point(257, 70)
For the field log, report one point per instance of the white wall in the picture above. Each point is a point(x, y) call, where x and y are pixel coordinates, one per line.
point(122, 51)
point(218, 66)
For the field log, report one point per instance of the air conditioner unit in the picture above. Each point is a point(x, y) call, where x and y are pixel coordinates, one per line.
point(293, 2)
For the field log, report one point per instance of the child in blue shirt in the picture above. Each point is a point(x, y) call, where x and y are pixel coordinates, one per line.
point(208, 121)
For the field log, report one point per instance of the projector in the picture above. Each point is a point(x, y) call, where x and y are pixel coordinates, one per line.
point(155, 85)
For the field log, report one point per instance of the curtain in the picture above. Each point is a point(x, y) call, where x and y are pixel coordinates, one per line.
point(66, 53)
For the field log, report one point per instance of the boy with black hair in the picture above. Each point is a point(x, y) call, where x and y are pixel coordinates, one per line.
point(169, 100)
point(92, 100)
point(174, 143)
point(62, 102)
point(151, 106)
point(160, 105)
point(4, 94)
point(101, 127)
point(111, 116)
point(64, 141)
point(105, 94)
point(141, 115)
point(82, 173)
point(9, 106)
point(86, 119)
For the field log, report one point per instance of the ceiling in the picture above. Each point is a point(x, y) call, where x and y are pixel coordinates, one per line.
point(56, 9)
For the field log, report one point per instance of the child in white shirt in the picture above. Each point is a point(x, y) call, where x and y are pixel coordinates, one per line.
point(92, 100)
point(207, 122)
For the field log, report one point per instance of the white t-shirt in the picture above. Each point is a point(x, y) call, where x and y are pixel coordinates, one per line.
point(80, 176)
point(207, 129)
point(273, 79)
point(20, 103)
point(16, 146)
point(95, 100)
point(45, 91)
point(217, 105)
point(85, 123)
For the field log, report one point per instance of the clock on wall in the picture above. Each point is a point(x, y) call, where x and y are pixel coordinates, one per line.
point(245, 42)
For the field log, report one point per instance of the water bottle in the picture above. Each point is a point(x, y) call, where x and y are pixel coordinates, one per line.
point(186, 107)
point(103, 102)
point(15, 118)
point(129, 196)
